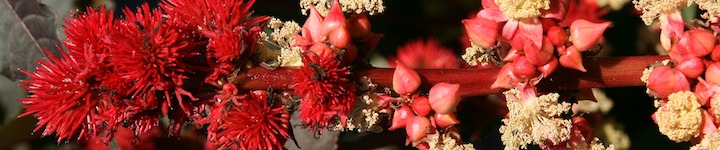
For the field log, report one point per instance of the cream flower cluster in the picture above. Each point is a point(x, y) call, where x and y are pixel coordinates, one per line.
point(519, 9)
point(282, 38)
point(681, 117)
point(372, 7)
point(535, 122)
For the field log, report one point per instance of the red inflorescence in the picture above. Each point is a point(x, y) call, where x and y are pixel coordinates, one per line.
point(63, 101)
point(249, 121)
point(129, 72)
point(228, 25)
point(153, 56)
point(325, 89)
point(66, 92)
point(427, 54)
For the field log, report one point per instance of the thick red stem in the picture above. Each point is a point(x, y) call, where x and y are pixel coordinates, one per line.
point(601, 72)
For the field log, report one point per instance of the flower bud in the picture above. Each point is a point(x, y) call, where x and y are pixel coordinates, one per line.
point(557, 35)
point(421, 106)
point(539, 56)
point(715, 53)
point(340, 37)
point(445, 120)
point(359, 26)
point(549, 68)
point(512, 55)
point(313, 26)
point(334, 19)
point(322, 50)
point(586, 34)
point(350, 54)
point(703, 92)
point(712, 74)
point(523, 69)
point(691, 67)
point(696, 42)
point(572, 59)
point(417, 128)
point(547, 23)
point(664, 81)
point(483, 32)
point(444, 97)
point(405, 80)
point(401, 117)
point(708, 123)
point(503, 77)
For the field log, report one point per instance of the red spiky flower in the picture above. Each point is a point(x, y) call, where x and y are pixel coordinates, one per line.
point(325, 89)
point(62, 97)
point(426, 54)
point(66, 92)
point(231, 30)
point(248, 121)
point(88, 34)
point(150, 51)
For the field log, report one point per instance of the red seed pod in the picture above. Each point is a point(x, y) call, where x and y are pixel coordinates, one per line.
point(547, 23)
point(313, 26)
point(703, 92)
point(445, 120)
point(715, 53)
point(481, 31)
point(340, 37)
point(549, 68)
point(503, 80)
point(421, 106)
point(350, 54)
point(691, 67)
point(334, 19)
point(557, 35)
point(572, 59)
point(322, 50)
point(443, 97)
point(696, 42)
point(586, 34)
point(712, 74)
point(523, 69)
point(539, 56)
point(512, 55)
point(359, 26)
point(405, 80)
point(401, 117)
point(417, 128)
point(664, 81)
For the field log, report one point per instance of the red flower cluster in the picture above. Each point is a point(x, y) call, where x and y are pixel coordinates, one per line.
point(686, 113)
point(535, 34)
point(326, 91)
point(428, 54)
point(226, 23)
point(129, 72)
point(330, 43)
point(247, 121)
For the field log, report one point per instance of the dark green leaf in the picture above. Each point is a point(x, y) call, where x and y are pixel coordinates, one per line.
point(26, 29)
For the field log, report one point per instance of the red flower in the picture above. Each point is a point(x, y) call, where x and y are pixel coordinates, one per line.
point(88, 34)
point(325, 89)
point(151, 52)
point(227, 46)
point(63, 97)
point(89, 37)
point(428, 54)
point(228, 24)
point(213, 14)
point(248, 122)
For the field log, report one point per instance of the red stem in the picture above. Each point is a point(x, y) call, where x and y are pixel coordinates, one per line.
point(601, 72)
